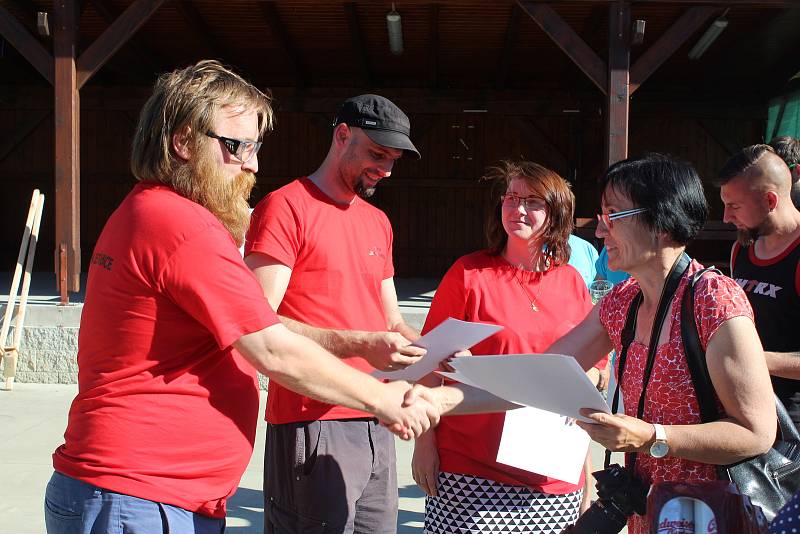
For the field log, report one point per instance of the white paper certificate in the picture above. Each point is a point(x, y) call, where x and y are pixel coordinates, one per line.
point(552, 382)
point(443, 341)
point(543, 442)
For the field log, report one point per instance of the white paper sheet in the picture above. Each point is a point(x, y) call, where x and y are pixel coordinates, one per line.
point(545, 443)
point(449, 337)
point(551, 382)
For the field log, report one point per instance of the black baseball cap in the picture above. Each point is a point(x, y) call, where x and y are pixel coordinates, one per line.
point(381, 121)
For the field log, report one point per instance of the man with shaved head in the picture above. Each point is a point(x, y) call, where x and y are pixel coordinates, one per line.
point(756, 190)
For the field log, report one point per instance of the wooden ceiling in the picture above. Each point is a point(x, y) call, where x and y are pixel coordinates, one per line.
point(450, 46)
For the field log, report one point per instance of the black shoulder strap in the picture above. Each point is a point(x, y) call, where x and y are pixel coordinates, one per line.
point(698, 367)
point(695, 355)
point(671, 283)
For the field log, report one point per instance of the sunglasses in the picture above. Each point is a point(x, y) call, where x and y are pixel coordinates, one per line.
point(241, 149)
point(609, 218)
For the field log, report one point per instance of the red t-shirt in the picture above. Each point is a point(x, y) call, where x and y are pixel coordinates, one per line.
point(482, 288)
point(339, 256)
point(166, 409)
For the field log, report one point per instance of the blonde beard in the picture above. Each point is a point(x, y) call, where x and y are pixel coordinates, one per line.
point(201, 181)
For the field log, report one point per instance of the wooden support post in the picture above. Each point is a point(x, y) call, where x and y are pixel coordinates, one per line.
point(618, 96)
point(67, 143)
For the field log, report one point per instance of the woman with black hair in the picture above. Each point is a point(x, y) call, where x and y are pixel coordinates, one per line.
point(651, 208)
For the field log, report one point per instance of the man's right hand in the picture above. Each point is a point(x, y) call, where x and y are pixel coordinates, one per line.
point(425, 463)
point(389, 351)
point(406, 419)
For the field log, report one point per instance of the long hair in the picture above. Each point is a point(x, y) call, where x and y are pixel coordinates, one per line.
point(189, 97)
point(546, 184)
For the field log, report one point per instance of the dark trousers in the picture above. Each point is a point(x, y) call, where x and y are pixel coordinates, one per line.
point(330, 477)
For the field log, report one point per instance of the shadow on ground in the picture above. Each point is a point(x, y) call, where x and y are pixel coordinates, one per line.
point(410, 521)
point(246, 512)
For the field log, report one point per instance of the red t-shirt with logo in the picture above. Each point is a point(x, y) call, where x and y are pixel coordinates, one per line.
point(484, 288)
point(339, 256)
point(166, 409)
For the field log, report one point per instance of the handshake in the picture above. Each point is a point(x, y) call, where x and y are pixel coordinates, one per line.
point(409, 410)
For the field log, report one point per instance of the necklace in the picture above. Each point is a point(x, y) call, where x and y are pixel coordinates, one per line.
point(531, 299)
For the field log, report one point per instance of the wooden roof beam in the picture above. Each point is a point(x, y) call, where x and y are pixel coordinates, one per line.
point(26, 44)
point(512, 30)
point(22, 129)
point(669, 43)
point(109, 13)
point(719, 3)
point(569, 41)
point(278, 29)
point(28, 11)
point(433, 19)
point(357, 39)
point(198, 25)
point(116, 35)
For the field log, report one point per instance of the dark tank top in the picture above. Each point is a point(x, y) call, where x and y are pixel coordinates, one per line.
point(773, 288)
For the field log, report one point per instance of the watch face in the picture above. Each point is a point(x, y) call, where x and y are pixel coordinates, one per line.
point(659, 449)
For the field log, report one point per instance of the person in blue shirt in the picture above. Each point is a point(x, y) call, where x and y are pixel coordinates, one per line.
point(604, 273)
point(583, 257)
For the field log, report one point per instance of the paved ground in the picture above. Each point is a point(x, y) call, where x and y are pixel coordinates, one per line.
point(32, 422)
point(33, 419)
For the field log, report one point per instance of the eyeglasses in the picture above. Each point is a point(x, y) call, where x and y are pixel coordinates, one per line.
point(609, 218)
point(241, 149)
point(530, 203)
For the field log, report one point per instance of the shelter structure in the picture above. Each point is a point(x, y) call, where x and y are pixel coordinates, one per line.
point(575, 85)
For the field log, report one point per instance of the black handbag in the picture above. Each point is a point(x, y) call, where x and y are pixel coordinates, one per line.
point(770, 479)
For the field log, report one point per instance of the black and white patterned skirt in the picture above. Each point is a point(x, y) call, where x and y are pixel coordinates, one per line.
point(467, 505)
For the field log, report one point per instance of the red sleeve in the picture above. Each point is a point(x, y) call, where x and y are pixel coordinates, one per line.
point(449, 300)
point(717, 299)
point(207, 278)
point(388, 269)
point(275, 230)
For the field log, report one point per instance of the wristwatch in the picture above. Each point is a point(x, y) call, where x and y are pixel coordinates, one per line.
point(659, 448)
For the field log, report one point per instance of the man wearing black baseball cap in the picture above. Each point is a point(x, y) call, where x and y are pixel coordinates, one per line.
point(382, 121)
point(323, 256)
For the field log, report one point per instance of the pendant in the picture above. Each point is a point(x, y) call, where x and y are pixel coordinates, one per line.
point(533, 307)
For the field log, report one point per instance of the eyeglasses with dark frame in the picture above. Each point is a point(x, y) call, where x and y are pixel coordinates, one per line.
point(241, 149)
point(609, 218)
point(530, 203)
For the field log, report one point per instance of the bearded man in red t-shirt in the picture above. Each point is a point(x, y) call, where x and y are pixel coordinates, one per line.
point(175, 326)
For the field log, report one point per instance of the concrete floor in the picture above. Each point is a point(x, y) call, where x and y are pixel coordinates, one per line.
point(33, 418)
point(32, 422)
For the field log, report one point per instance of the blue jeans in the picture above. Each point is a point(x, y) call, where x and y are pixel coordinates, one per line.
point(75, 507)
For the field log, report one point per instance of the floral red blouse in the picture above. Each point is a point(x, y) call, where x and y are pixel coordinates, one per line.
point(670, 399)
